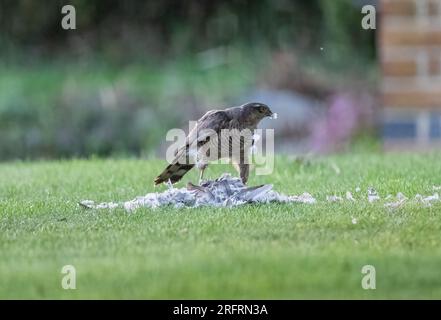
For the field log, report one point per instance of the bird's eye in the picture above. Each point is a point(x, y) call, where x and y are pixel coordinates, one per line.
point(262, 109)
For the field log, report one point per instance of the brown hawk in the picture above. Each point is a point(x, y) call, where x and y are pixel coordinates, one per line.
point(218, 134)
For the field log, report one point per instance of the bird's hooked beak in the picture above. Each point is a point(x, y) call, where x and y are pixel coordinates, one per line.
point(272, 115)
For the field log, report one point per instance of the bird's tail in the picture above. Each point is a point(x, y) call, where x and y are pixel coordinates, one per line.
point(174, 172)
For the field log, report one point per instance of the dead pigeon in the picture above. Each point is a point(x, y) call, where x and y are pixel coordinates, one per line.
point(226, 191)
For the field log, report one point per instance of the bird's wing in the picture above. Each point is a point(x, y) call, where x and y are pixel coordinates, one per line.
point(215, 120)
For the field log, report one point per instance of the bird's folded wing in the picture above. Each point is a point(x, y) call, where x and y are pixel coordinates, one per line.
point(210, 124)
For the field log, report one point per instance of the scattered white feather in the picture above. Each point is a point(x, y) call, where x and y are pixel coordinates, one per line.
point(303, 198)
point(401, 200)
point(349, 196)
point(228, 191)
point(430, 199)
point(334, 198)
point(89, 204)
point(401, 196)
point(373, 195)
point(395, 204)
point(107, 205)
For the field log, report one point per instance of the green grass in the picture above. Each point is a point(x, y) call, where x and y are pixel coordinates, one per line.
point(255, 251)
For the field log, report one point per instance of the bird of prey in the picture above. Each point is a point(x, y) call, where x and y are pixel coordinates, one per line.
point(218, 134)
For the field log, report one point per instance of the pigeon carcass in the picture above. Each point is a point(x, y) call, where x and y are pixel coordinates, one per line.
point(226, 191)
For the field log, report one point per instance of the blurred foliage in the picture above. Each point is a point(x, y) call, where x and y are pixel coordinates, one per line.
point(123, 29)
point(134, 69)
point(53, 110)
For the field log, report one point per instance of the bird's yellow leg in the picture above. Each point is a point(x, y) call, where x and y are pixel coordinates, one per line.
point(201, 175)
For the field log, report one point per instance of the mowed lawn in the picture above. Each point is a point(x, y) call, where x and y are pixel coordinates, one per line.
point(255, 251)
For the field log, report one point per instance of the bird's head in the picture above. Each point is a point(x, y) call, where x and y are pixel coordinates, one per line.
point(255, 111)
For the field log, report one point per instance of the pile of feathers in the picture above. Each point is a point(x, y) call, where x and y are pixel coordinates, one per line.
point(226, 191)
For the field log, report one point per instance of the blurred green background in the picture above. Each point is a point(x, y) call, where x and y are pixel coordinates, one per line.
point(134, 69)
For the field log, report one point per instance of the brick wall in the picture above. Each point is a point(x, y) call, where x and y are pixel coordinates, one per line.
point(410, 55)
